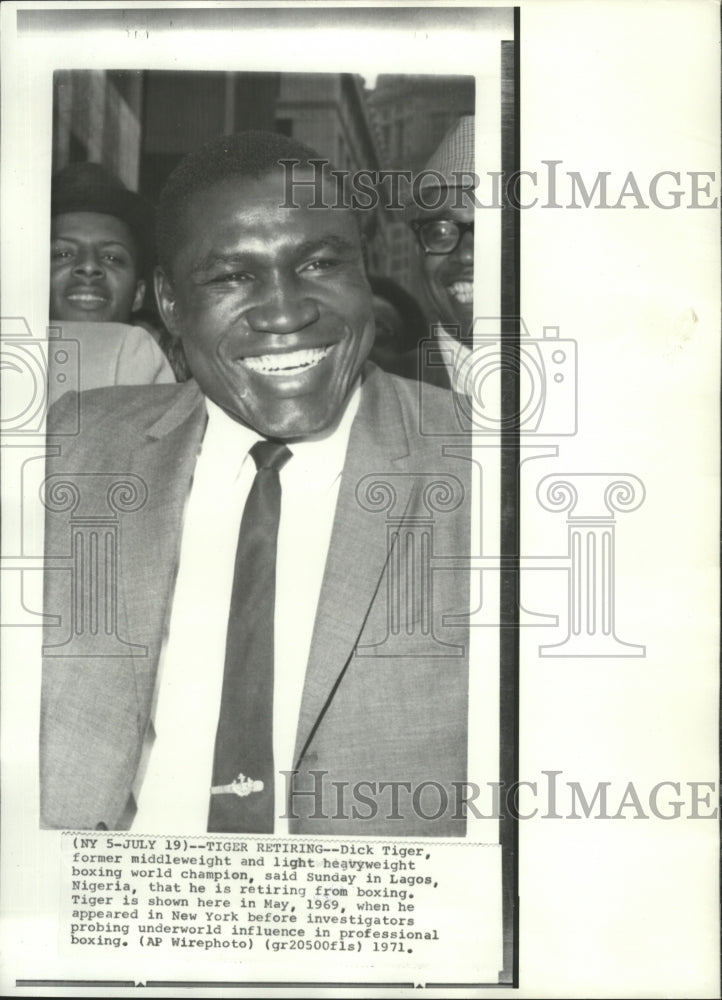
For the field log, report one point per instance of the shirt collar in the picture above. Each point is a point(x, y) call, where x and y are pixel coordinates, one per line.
point(320, 456)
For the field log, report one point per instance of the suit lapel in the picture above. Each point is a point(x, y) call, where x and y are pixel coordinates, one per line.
point(150, 544)
point(358, 551)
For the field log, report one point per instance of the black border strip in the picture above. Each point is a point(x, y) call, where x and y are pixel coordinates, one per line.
point(510, 511)
point(238, 984)
point(191, 984)
point(85, 983)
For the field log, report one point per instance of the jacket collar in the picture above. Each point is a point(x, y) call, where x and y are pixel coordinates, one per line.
point(187, 402)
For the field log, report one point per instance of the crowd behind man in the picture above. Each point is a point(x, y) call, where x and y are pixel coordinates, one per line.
point(103, 254)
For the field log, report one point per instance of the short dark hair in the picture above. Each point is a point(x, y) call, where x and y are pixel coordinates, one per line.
point(89, 187)
point(245, 154)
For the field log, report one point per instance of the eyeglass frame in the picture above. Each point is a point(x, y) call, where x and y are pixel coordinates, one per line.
point(463, 227)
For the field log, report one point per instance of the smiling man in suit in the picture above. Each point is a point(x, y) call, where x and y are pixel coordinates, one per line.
point(277, 651)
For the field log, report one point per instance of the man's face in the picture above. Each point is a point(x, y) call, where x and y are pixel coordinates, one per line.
point(449, 277)
point(93, 272)
point(271, 303)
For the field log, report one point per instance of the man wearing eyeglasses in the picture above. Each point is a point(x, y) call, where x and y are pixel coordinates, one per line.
point(442, 218)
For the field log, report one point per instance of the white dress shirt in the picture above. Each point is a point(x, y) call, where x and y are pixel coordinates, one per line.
point(173, 784)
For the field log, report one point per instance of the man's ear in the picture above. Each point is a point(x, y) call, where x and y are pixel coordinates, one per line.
point(139, 296)
point(166, 300)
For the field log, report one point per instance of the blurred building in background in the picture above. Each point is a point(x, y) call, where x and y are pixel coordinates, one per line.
point(139, 124)
point(97, 116)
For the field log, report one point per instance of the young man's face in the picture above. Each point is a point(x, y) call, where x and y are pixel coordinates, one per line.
point(93, 269)
point(271, 303)
point(449, 277)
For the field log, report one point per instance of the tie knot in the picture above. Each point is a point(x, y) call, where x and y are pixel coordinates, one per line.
point(270, 454)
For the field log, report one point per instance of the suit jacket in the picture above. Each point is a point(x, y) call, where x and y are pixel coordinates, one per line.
point(108, 354)
point(386, 689)
point(422, 363)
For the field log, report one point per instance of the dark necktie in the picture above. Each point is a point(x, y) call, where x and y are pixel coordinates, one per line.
point(243, 757)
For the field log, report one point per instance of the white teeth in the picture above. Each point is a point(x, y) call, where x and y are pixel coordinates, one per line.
point(462, 291)
point(288, 361)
